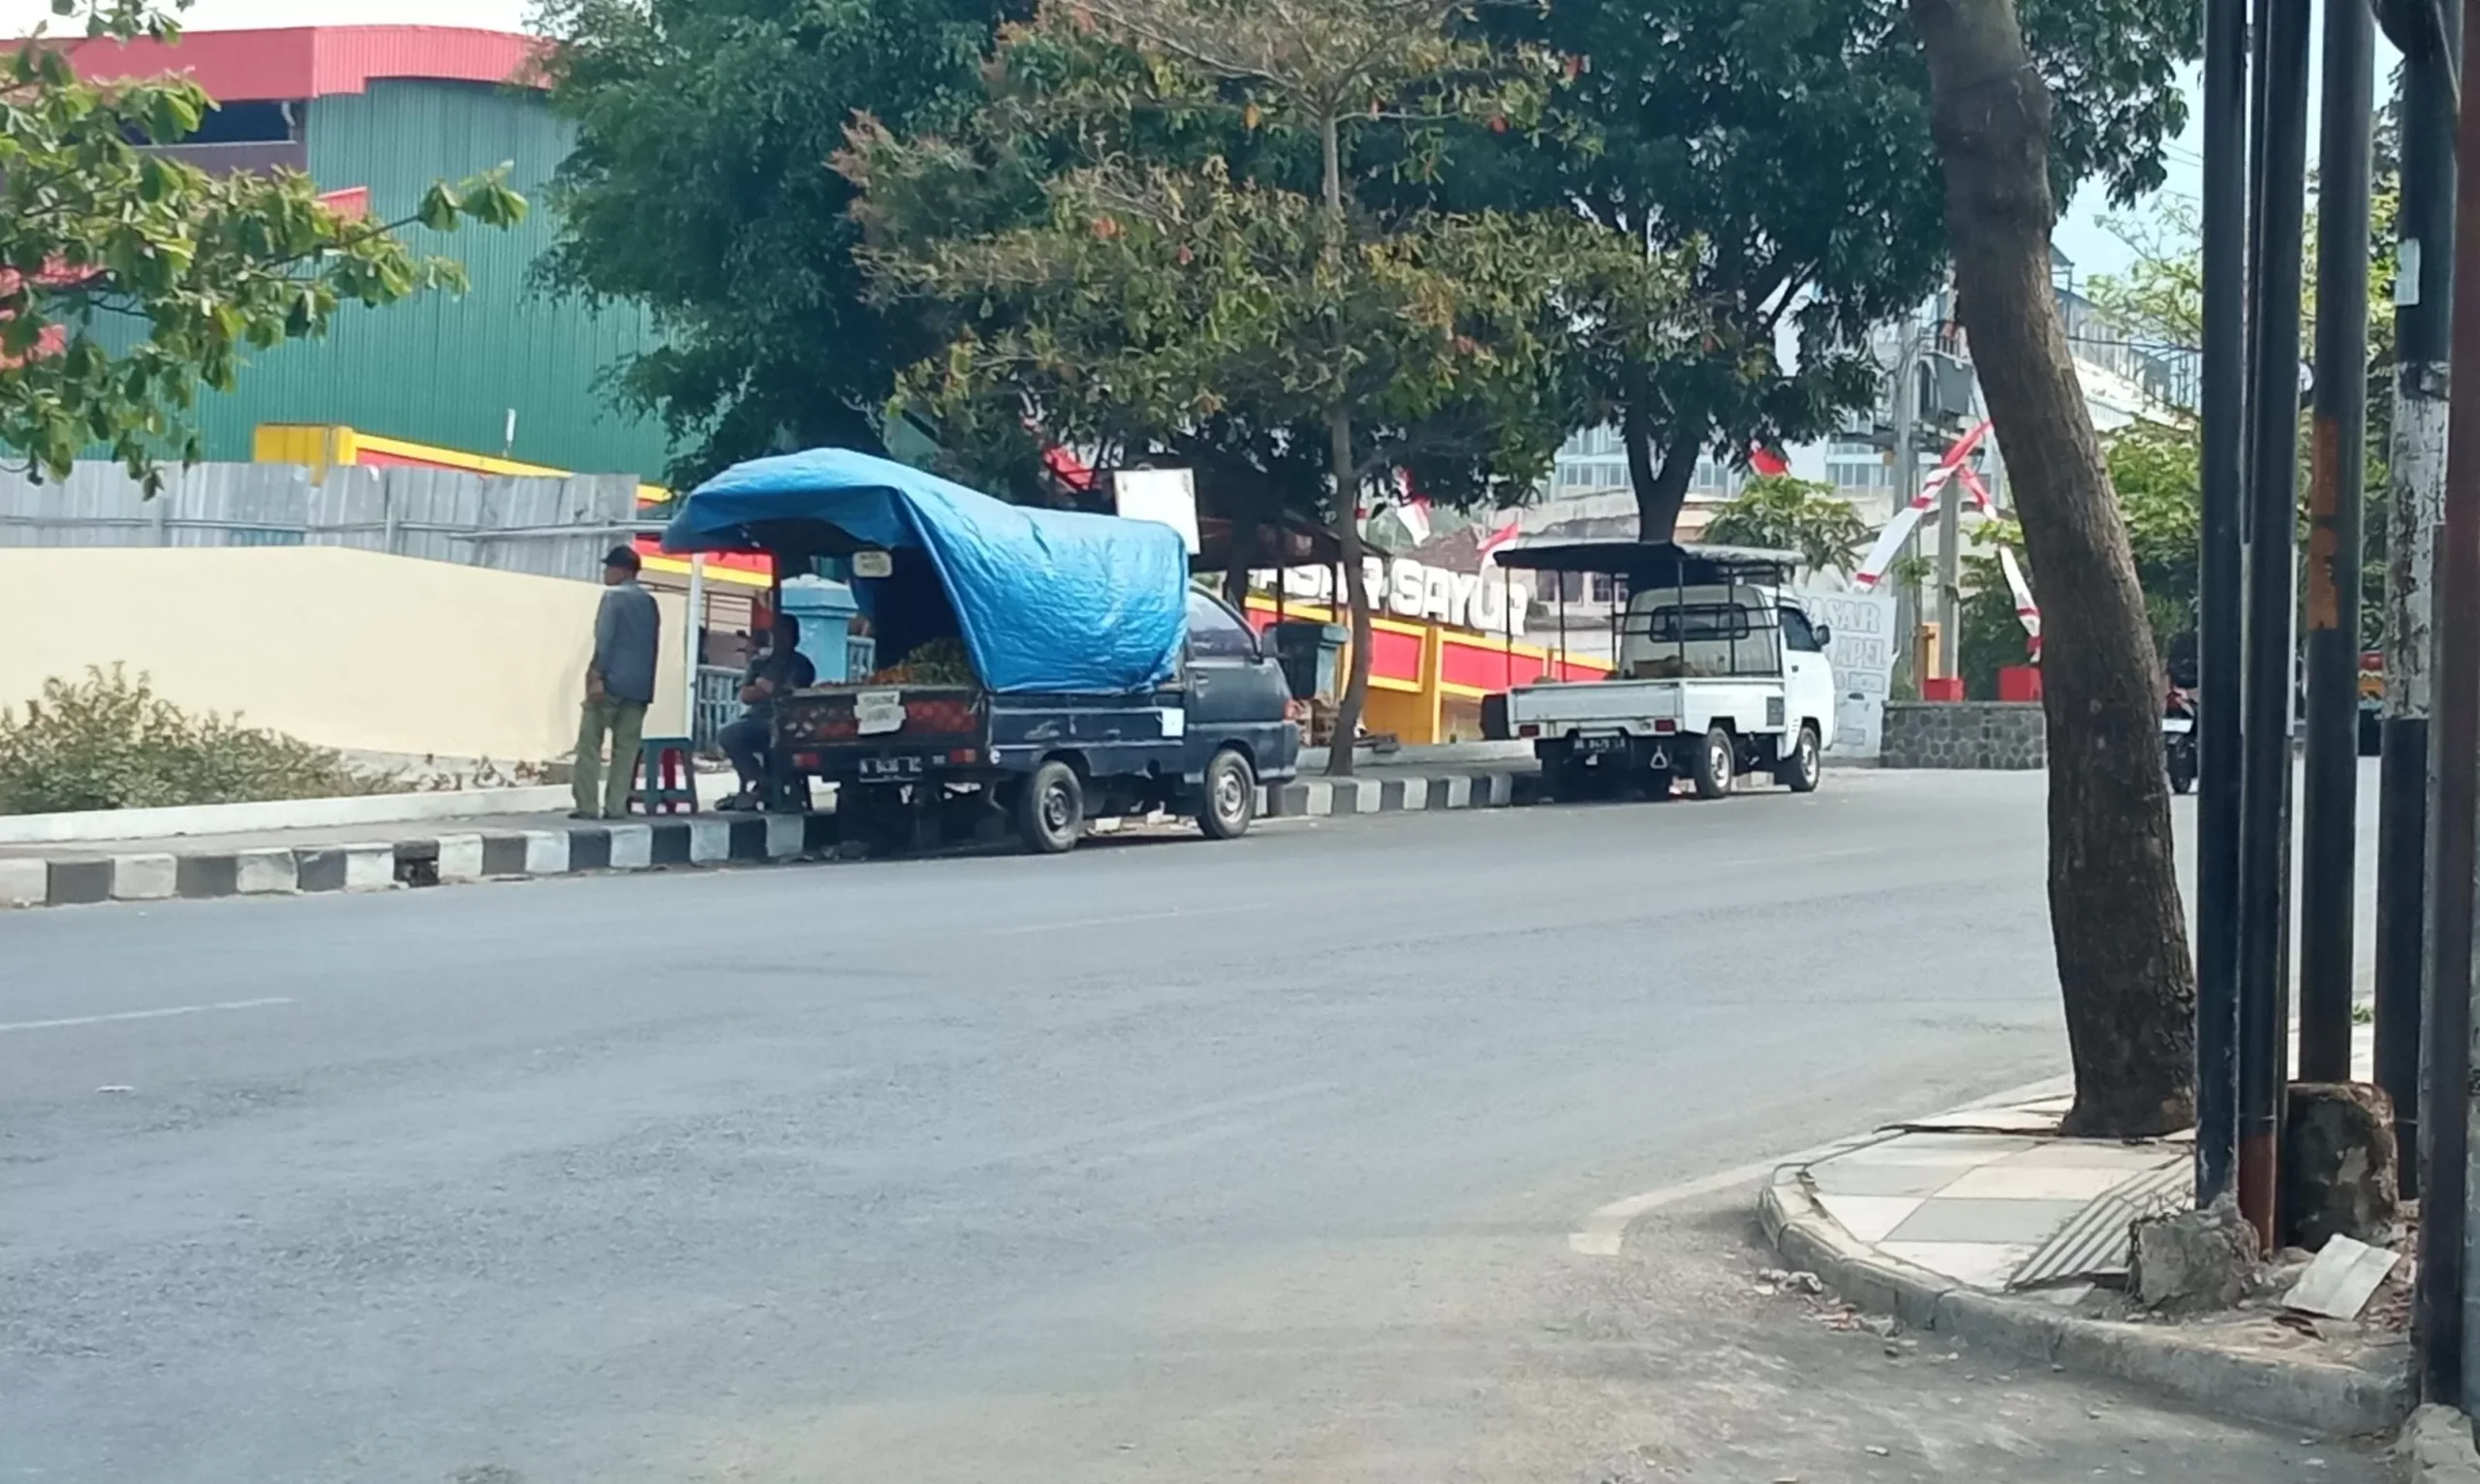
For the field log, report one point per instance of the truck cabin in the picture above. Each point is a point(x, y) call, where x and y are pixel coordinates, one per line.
point(1686, 611)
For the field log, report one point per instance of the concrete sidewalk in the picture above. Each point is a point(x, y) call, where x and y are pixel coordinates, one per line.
point(1986, 1223)
point(435, 852)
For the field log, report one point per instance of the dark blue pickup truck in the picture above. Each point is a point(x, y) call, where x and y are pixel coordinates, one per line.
point(1101, 683)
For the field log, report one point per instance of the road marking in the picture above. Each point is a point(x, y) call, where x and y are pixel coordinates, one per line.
point(1091, 922)
point(162, 1014)
point(1604, 1232)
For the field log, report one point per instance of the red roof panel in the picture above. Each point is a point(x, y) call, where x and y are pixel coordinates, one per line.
point(310, 61)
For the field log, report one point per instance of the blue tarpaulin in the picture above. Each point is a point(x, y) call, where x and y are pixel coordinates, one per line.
point(1047, 601)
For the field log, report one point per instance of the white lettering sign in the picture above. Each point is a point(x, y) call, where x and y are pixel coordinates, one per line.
point(1862, 649)
point(1490, 602)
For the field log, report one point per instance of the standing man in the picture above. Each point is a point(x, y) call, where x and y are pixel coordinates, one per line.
point(619, 683)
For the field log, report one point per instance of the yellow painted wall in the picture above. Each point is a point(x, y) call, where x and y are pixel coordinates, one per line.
point(348, 649)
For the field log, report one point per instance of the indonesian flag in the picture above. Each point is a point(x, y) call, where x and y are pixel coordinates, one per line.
point(1497, 537)
point(1767, 462)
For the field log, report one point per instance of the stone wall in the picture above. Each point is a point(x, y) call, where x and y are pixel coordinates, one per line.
point(1964, 734)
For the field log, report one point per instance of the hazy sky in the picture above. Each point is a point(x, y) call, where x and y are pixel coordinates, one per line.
point(2080, 234)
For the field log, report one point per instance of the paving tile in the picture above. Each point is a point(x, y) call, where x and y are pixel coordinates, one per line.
point(2013, 1180)
point(1981, 1264)
point(2089, 1154)
point(2035, 1121)
point(1849, 1177)
point(2028, 1221)
point(1869, 1218)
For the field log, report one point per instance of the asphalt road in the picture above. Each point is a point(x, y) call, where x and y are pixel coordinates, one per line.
point(1163, 1162)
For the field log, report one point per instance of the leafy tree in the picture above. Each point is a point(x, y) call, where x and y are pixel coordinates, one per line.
point(699, 188)
point(1792, 514)
point(1155, 243)
point(2115, 924)
point(1785, 145)
point(129, 279)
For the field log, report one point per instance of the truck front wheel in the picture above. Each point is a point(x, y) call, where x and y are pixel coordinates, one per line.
point(1050, 809)
point(1800, 771)
point(1715, 765)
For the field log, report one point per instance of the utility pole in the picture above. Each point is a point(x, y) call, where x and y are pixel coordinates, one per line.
point(1951, 505)
point(2423, 321)
point(2218, 618)
point(2264, 783)
point(2330, 804)
point(1907, 470)
point(2454, 752)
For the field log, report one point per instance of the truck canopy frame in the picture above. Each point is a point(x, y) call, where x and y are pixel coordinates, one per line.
point(1650, 565)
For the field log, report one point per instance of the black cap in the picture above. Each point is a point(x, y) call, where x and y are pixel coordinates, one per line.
point(621, 556)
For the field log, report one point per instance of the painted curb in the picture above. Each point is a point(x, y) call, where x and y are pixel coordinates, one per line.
point(2330, 1400)
point(2437, 1448)
point(636, 845)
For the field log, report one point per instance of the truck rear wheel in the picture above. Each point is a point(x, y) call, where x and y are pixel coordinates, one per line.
point(1050, 809)
point(1715, 765)
point(1230, 800)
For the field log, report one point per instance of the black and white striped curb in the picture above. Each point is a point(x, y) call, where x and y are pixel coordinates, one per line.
point(715, 840)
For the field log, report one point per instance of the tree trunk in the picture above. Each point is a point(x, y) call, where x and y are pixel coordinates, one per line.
point(2115, 919)
point(1346, 522)
point(1355, 697)
point(1661, 492)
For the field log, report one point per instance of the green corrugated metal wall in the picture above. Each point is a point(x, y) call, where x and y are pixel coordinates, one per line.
point(441, 369)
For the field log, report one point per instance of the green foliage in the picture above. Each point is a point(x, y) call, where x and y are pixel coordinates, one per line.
point(108, 742)
point(190, 271)
point(1785, 144)
point(1792, 514)
point(1132, 248)
point(699, 187)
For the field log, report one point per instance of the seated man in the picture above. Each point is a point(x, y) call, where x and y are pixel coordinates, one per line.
point(781, 667)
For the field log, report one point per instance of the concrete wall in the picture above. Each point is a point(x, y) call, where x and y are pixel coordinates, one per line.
point(350, 649)
point(1964, 734)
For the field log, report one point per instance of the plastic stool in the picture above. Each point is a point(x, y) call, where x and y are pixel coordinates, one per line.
point(667, 760)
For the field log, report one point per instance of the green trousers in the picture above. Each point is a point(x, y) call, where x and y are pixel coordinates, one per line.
point(626, 722)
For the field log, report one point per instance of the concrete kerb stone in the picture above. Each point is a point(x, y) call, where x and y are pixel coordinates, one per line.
point(148, 878)
point(265, 873)
point(24, 882)
point(2331, 1400)
point(2436, 1447)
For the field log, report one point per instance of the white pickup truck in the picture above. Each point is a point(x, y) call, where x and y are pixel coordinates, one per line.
point(1718, 674)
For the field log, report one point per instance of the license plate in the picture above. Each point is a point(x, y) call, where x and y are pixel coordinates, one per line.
point(2177, 725)
point(1607, 744)
point(890, 767)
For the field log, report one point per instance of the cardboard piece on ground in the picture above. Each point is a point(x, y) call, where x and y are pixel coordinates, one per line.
point(2339, 1283)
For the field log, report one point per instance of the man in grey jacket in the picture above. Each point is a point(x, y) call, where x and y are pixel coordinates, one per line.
point(619, 683)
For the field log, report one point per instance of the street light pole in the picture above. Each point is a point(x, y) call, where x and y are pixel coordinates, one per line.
point(2423, 323)
point(2264, 783)
point(2224, 396)
point(2330, 805)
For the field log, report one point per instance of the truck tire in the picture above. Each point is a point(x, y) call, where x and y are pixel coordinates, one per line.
point(1228, 796)
point(1050, 809)
point(1715, 765)
point(1801, 771)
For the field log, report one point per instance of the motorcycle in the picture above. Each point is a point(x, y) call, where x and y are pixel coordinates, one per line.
point(2179, 738)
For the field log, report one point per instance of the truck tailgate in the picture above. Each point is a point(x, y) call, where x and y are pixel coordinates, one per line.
point(1635, 704)
point(882, 719)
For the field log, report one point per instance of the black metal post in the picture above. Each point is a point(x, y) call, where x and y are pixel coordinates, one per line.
point(2423, 323)
point(2454, 758)
point(2329, 804)
point(2264, 783)
point(2224, 403)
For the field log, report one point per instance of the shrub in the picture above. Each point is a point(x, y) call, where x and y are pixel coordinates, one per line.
point(108, 742)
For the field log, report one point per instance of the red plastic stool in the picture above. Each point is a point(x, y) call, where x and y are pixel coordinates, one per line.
point(665, 783)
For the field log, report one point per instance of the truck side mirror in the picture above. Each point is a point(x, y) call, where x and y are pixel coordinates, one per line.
point(1824, 633)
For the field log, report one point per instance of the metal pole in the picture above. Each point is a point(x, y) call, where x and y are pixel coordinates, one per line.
point(2224, 403)
point(2329, 804)
point(1907, 463)
point(1950, 506)
point(2264, 783)
point(2423, 321)
point(2455, 756)
point(696, 623)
